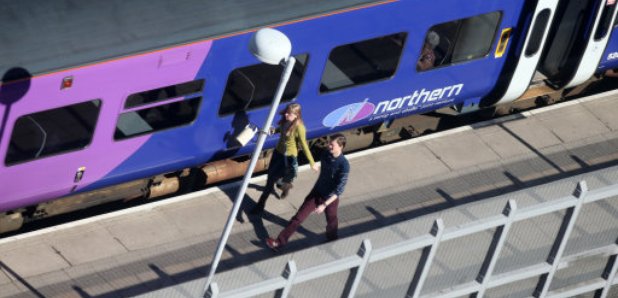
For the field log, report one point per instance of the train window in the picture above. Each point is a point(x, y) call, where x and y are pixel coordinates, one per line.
point(536, 37)
point(458, 41)
point(254, 86)
point(148, 120)
point(53, 131)
point(160, 94)
point(606, 19)
point(362, 62)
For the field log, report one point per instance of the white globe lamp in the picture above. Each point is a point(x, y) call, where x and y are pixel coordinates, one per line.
point(270, 46)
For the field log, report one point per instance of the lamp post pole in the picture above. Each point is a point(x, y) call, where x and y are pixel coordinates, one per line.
point(261, 46)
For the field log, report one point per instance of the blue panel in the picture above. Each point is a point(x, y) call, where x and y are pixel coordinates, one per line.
point(407, 92)
point(609, 60)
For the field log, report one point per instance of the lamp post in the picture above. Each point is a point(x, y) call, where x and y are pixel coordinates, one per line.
point(272, 47)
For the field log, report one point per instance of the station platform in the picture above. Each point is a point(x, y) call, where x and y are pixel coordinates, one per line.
point(163, 249)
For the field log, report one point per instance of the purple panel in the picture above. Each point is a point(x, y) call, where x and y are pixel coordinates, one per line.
point(50, 177)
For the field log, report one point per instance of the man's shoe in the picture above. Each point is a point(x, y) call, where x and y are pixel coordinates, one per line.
point(272, 244)
point(285, 189)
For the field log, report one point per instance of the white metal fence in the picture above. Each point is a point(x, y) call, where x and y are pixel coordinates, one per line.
point(542, 274)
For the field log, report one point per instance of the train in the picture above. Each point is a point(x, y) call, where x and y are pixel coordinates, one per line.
point(103, 101)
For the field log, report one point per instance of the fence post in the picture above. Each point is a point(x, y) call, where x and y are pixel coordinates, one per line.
point(561, 239)
point(609, 274)
point(437, 229)
point(289, 273)
point(364, 251)
point(495, 247)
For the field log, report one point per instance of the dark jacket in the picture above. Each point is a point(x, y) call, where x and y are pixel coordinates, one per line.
point(333, 175)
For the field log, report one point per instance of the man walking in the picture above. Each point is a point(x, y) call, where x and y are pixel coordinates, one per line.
point(324, 197)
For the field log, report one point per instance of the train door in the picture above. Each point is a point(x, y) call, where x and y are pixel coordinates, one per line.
point(576, 41)
point(525, 64)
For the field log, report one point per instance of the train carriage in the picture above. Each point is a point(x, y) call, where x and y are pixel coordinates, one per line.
point(111, 100)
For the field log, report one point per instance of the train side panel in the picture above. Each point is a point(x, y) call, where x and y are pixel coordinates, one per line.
point(107, 160)
point(34, 180)
point(206, 139)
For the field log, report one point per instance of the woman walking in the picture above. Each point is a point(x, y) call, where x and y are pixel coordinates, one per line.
point(284, 161)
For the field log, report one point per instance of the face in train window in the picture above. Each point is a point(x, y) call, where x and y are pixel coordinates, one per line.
point(362, 62)
point(254, 86)
point(458, 41)
point(53, 131)
point(166, 107)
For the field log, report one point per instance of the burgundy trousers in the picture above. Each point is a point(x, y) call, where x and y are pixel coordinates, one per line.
point(311, 202)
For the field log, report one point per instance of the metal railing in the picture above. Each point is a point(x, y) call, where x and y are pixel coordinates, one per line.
point(356, 265)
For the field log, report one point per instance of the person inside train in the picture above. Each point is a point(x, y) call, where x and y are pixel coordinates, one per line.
point(428, 55)
point(284, 161)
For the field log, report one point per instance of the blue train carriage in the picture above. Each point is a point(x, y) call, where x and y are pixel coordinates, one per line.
point(356, 68)
point(362, 68)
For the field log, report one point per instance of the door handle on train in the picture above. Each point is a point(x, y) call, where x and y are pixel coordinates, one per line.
point(79, 174)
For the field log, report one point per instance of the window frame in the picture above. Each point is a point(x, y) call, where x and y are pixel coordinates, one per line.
point(492, 43)
point(95, 124)
point(604, 29)
point(536, 36)
point(200, 84)
point(196, 95)
point(283, 100)
point(198, 107)
point(384, 79)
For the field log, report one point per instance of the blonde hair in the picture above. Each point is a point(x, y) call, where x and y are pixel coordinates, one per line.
point(293, 108)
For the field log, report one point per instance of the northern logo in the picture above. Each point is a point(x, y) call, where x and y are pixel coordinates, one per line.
point(348, 114)
point(418, 99)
